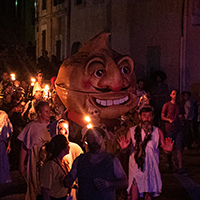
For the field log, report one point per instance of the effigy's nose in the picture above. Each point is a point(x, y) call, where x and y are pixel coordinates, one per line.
point(114, 80)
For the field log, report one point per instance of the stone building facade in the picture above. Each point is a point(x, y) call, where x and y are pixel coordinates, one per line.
point(157, 34)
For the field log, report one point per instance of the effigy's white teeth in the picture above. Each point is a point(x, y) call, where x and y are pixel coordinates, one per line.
point(121, 101)
point(116, 102)
point(110, 102)
point(103, 102)
point(126, 98)
point(98, 101)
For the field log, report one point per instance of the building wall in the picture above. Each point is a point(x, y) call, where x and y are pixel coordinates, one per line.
point(87, 20)
point(150, 31)
point(193, 49)
point(155, 29)
point(90, 19)
point(53, 20)
point(29, 22)
point(137, 28)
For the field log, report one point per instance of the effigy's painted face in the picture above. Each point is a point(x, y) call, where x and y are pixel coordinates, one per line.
point(97, 79)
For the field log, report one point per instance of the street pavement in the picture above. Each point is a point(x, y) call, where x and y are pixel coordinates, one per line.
point(181, 186)
point(175, 186)
point(15, 190)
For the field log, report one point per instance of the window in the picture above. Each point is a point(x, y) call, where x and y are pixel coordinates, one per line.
point(153, 59)
point(59, 25)
point(98, 1)
point(43, 41)
point(58, 49)
point(78, 2)
point(44, 4)
point(57, 2)
point(75, 47)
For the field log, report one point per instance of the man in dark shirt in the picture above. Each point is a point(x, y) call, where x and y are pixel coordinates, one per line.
point(170, 115)
point(99, 173)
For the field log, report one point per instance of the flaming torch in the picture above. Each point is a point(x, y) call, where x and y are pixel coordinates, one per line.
point(88, 120)
point(46, 91)
point(12, 77)
point(33, 81)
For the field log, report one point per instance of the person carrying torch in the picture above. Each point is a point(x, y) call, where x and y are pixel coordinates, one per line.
point(39, 82)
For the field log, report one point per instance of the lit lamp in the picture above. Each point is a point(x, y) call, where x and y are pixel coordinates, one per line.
point(12, 77)
point(33, 81)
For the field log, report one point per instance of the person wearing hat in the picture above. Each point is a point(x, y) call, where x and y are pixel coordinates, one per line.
point(144, 175)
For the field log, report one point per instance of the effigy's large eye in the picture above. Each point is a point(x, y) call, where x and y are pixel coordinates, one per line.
point(98, 73)
point(126, 70)
point(125, 65)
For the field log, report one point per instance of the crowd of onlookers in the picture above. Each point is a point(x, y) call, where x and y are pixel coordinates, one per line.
point(189, 108)
point(26, 110)
point(176, 114)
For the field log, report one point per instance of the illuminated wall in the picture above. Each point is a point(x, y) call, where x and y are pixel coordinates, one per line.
point(158, 34)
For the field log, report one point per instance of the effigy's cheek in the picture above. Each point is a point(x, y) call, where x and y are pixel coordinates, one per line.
point(63, 94)
point(86, 85)
point(76, 102)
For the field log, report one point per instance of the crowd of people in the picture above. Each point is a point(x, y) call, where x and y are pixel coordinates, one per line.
point(35, 139)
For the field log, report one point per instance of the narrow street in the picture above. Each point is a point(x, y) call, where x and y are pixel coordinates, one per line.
point(175, 186)
point(181, 186)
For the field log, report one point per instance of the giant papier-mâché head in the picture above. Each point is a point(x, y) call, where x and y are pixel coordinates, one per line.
point(97, 79)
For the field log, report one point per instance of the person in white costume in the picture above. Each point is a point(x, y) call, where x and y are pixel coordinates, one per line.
point(32, 137)
point(143, 140)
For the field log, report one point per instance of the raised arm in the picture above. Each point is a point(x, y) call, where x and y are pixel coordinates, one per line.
point(166, 144)
point(124, 142)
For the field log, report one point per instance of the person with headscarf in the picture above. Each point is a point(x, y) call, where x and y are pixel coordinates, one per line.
point(62, 128)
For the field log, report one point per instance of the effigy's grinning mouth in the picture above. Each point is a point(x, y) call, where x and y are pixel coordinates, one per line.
point(112, 102)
